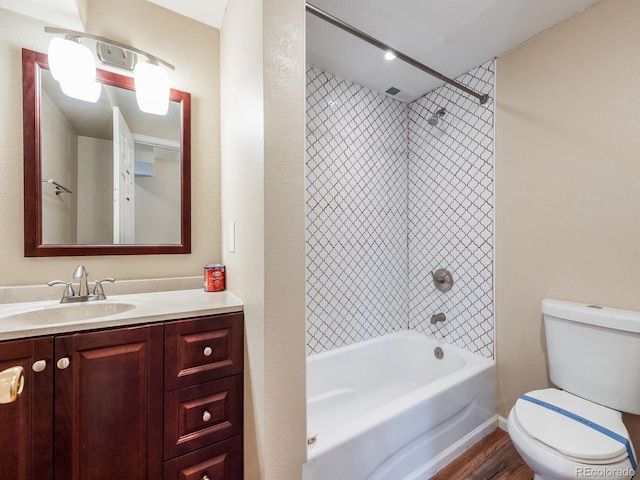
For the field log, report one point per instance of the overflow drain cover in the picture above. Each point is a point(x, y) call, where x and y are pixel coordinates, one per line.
point(439, 353)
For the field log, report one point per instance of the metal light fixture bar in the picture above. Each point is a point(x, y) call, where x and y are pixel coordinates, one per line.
point(73, 33)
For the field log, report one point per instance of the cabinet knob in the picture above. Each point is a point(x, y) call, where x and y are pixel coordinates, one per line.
point(11, 384)
point(207, 351)
point(63, 363)
point(206, 416)
point(39, 366)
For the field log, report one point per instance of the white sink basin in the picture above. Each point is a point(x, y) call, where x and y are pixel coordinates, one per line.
point(66, 313)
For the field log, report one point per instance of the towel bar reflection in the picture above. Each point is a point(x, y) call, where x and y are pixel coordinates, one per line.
point(59, 188)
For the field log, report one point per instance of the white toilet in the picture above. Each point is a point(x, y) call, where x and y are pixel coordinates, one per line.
point(577, 432)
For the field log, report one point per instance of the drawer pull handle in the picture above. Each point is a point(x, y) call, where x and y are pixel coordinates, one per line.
point(11, 384)
point(63, 363)
point(205, 477)
point(206, 416)
point(39, 366)
point(207, 351)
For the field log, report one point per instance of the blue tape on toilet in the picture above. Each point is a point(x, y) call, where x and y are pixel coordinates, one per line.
point(588, 423)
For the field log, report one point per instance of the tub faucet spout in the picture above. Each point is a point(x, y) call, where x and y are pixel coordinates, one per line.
point(438, 317)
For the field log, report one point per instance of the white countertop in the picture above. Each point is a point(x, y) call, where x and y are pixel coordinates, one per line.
point(141, 308)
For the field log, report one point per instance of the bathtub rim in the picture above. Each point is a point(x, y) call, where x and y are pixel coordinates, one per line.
point(403, 333)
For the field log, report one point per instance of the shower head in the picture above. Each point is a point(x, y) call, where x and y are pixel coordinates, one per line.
point(435, 118)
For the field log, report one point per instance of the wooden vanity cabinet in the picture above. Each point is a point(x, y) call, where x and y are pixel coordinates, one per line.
point(137, 403)
point(91, 407)
point(203, 398)
point(25, 424)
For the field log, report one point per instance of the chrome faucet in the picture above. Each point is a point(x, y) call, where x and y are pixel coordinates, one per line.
point(438, 317)
point(69, 294)
point(81, 274)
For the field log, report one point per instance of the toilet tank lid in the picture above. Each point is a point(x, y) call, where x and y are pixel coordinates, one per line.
point(606, 317)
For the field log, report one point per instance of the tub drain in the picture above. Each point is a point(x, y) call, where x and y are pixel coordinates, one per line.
point(439, 353)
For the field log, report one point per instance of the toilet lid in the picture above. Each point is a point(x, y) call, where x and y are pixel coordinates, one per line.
point(568, 433)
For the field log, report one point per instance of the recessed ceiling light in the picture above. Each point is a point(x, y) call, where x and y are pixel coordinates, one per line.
point(389, 55)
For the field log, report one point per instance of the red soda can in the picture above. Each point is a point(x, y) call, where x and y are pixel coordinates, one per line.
point(214, 278)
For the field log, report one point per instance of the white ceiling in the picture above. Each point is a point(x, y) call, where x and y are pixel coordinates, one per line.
point(70, 13)
point(210, 12)
point(452, 37)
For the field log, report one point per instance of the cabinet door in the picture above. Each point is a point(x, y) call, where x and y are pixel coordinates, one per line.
point(25, 424)
point(108, 405)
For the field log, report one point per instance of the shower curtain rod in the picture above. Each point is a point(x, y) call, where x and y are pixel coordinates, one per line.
point(483, 98)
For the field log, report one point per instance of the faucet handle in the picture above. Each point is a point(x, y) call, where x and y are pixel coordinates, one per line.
point(97, 289)
point(442, 279)
point(68, 292)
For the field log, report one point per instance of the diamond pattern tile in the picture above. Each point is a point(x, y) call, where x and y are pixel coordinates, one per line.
point(356, 207)
point(451, 213)
point(389, 198)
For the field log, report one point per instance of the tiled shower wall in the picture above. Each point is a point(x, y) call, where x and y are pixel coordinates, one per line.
point(391, 198)
point(451, 213)
point(356, 205)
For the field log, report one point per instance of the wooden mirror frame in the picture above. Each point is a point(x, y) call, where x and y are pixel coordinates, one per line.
point(32, 62)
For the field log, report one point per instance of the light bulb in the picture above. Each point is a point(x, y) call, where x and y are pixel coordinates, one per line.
point(152, 88)
point(72, 65)
point(59, 57)
point(82, 90)
point(71, 60)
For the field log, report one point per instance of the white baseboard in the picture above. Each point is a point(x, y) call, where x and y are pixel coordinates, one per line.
point(502, 423)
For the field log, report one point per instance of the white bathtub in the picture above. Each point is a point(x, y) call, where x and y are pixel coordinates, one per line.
point(388, 409)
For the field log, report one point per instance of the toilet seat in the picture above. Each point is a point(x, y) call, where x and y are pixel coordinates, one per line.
point(572, 438)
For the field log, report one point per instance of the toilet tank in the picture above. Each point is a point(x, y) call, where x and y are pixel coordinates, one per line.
point(594, 352)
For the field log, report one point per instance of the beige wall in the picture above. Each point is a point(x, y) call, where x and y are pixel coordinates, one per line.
point(567, 183)
point(58, 211)
point(262, 83)
point(242, 140)
point(285, 357)
point(189, 45)
point(94, 164)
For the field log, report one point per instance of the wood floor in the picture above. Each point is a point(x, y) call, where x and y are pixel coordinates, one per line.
point(492, 458)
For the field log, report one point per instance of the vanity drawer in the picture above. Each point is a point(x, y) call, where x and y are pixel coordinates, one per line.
point(203, 349)
point(201, 415)
point(221, 461)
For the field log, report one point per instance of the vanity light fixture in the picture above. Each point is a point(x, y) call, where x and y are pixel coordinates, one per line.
point(73, 65)
point(152, 88)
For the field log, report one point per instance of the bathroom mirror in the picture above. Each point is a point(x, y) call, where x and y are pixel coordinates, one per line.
point(103, 178)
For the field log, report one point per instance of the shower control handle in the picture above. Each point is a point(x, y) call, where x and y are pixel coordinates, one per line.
point(442, 279)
